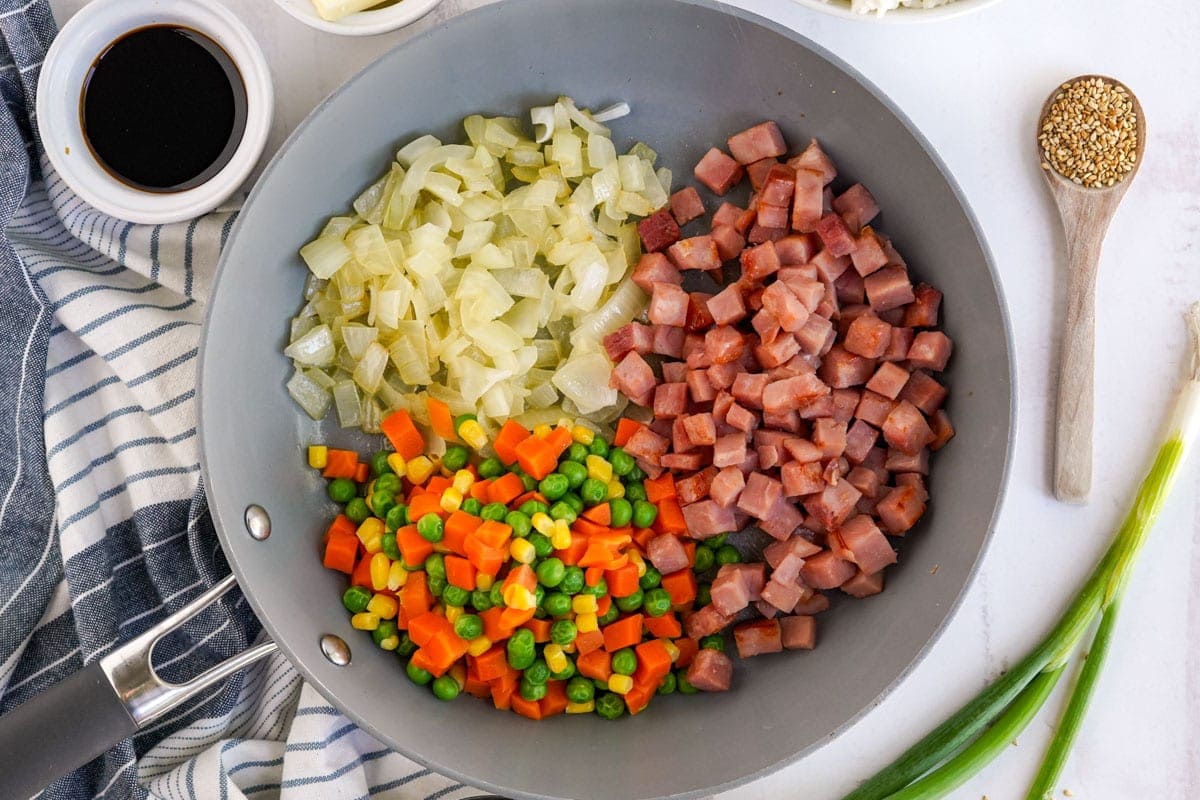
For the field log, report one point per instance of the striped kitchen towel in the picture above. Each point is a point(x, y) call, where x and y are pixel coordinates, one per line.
point(105, 527)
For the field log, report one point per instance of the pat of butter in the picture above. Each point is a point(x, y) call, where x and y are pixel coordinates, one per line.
point(333, 10)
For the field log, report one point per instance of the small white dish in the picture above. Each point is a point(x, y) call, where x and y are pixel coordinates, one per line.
point(841, 8)
point(363, 23)
point(67, 64)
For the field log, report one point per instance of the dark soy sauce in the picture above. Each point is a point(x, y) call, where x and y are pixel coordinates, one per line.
point(163, 108)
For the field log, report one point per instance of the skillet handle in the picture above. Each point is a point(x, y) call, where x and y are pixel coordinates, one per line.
point(79, 718)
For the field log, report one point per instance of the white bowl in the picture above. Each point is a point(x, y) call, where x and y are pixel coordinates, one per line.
point(841, 8)
point(363, 23)
point(66, 67)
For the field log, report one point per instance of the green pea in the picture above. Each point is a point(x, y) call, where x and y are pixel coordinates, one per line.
point(445, 688)
point(593, 492)
point(542, 546)
point(437, 586)
point(644, 513)
point(624, 661)
point(636, 474)
point(537, 672)
point(563, 632)
point(656, 602)
point(528, 483)
point(342, 490)
point(496, 595)
point(554, 486)
point(635, 492)
point(609, 616)
point(713, 642)
point(599, 684)
point(386, 630)
point(519, 523)
point(480, 600)
point(494, 511)
point(355, 599)
point(389, 546)
point(668, 684)
point(379, 465)
point(598, 447)
point(532, 691)
point(396, 517)
point(551, 572)
point(567, 672)
point(728, 554)
point(455, 596)
point(622, 462)
point(382, 502)
point(557, 604)
point(520, 648)
point(574, 501)
point(574, 472)
point(455, 457)
point(631, 602)
point(683, 684)
point(468, 626)
point(515, 469)
point(561, 510)
point(577, 452)
point(417, 675)
point(357, 510)
point(491, 468)
point(471, 506)
point(406, 647)
point(715, 542)
point(597, 591)
point(620, 510)
point(540, 613)
point(703, 594)
point(388, 482)
point(651, 580)
point(435, 565)
point(431, 527)
point(531, 507)
point(610, 706)
point(580, 690)
point(539, 595)
point(572, 581)
point(705, 558)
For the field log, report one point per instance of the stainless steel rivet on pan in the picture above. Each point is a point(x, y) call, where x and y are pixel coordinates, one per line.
point(258, 523)
point(335, 649)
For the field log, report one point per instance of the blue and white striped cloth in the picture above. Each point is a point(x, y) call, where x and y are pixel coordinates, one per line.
point(105, 527)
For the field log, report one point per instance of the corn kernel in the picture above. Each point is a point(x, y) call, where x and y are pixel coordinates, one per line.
point(364, 621)
point(599, 469)
point(396, 462)
point(672, 650)
point(397, 576)
point(473, 434)
point(586, 623)
point(373, 545)
point(370, 489)
point(451, 500)
point(638, 561)
point(390, 643)
point(385, 606)
point(484, 581)
point(418, 470)
point(541, 430)
point(520, 598)
point(453, 613)
point(569, 648)
point(584, 604)
point(542, 523)
point(583, 434)
point(479, 645)
point(318, 456)
point(370, 528)
point(522, 550)
point(560, 538)
point(556, 659)
point(581, 708)
point(459, 673)
point(367, 500)
point(463, 481)
point(380, 564)
point(615, 489)
point(620, 683)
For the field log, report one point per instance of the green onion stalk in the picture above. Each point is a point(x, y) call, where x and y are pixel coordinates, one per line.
point(958, 748)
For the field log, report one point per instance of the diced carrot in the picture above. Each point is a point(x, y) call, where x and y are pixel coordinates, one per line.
point(537, 457)
point(521, 575)
point(460, 572)
point(534, 495)
point(571, 555)
point(596, 555)
point(589, 528)
point(558, 441)
point(341, 525)
point(555, 701)
point(618, 562)
point(479, 490)
point(654, 662)
point(421, 659)
point(689, 547)
point(514, 618)
point(505, 444)
point(625, 428)
point(670, 518)
point(595, 664)
point(493, 628)
point(681, 586)
point(642, 536)
point(414, 547)
point(413, 492)
point(665, 627)
point(402, 619)
point(415, 598)
point(437, 484)
point(424, 627)
point(603, 604)
point(593, 575)
point(487, 560)
point(362, 473)
point(601, 514)
point(587, 642)
point(624, 632)
point(340, 551)
point(622, 582)
point(614, 538)
point(492, 664)
point(505, 488)
point(526, 708)
point(425, 503)
point(687, 651)
point(504, 687)
point(361, 576)
point(493, 533)
point(660, 488)
point(341, 464)
point(637, 698)
point(440, 419)
point(458, 526)
point(446, 647)
point(398, 427)
point(540, 628)
point(477, 688)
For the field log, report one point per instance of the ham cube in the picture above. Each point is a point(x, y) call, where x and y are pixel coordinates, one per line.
point(782, 595)
point(705, 621)
point(842, 369)
point(798, 248)
point(699, 387)
point(787, 571)
point(748, 388)
point(724, 345)
point(815, 334)
point(742, 419)
point(634, 378)
point(785, 306)
point(674, 371)
point(906, 429)
point(930, 350)
point(829, 435)
point(849, 288)
point(683, 462)
point(783, 520)
point(758, 637)
point(900, 508)
point(667, 553)
point(729, 242)
point(815, 604)
point(802, 450)
point(737, 218)
point(778, 187)
point(758, 171)
point(655, 268)
point(668, 305)
point(773, 217)
point(874, 408)
point(697, 252)
point(798, 632)
point(897, 349)
point(759, 262)
point(647, 445)
point(658, 231)
point(888, 380)
point(856, 205)
point(836, 237)
point(701, 429)
point(764, 140)
point(667, 341)
point(844, 403)
point(670, 400)
point(830, 267)
point(710, 671)
point(706, 518)
point(865, 480)
point(686, 205)
point(680, 442)
point(632, 336)
point(922, 312)
point(888, 288)
point(730, 594)
point(868, 255)
point(718, 171)
point(863, 585)
point(868, 336)
point(807, 200)
point(900, 461)
point(826, 571)
point(943, 430)
point(776, 552)
point(695, 487)
point(801, 479)
point(730, 450)
point(726, 487)
point(868, 547)
point(814, 158)
point(760, 495)
point(860, 438)
point(833, 505)
point(776, 352)
point(924, 392)
point(785, 395)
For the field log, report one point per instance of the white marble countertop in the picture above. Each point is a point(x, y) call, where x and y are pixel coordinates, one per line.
point(973, 85)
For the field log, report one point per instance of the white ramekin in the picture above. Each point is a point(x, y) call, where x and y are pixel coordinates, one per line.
point(66, 67)
point(364, 23)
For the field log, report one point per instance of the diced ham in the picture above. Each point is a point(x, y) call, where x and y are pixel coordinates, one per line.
point(900, 461)
point(760, 495)
point(718, 171)
point(698, 317)
point(758, 637)
point(813, 605)
point(667, 553)
point(798, 248)
point(814, 158)
point(773, 217)
point(830, 267)
point(915, 480)
point(868, 547)
point(776, 552)
point(686, 205)
point(899, 509)
point(943, 430)
point(836, 237)
point(868, 255)
point(654, 268)
point(767, 610)
point(647, 445)
point(730, 450)
point(674, 371)
point(634, 378)
point(668, 341)
point(783, 421)
point(906, 429)
point(695, 486)
point(710, 671)
point(707, 518)
point(807, 200)
point(752, 574)
point(633, 336)
point(783, 520)
point(924, 392)
point(829, 435)
point(863, 585)
point(699, 387)
point(844, 403)
point(802, 450)
point(724, 345)
point(759, 262)
point(814, 334)
point(874, 408)
point(652, 470)
point(680, 442)
point(764, 140)
point(888, 288)
point(785, 306)
point(721, 376)
point(769, 455)
point(670, 400)
point(721, 405)
point(658, 231)
point(697, 252)
point(897, 349)
point(888, 380)
point(842, 369)
point(776, 352)
point(833, 504)
point(668, 305)
point(865, 480)
point(826, 571)
point(742, 418)
point(748, 388)
point(850, 288)
point(729, 242)
point(798, 632)
point(737, 218)
point(758, 171)
point(784, 395)
point(730, 594)
point(727, 486)
point(700, 428)
point(868, 336)
point(922, 312)
point(705, 621)
point(930, 350)
point(801, 478)
point(788, 569)
point(856, 205)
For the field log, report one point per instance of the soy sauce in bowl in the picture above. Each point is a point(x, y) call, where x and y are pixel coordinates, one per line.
point(163, 108)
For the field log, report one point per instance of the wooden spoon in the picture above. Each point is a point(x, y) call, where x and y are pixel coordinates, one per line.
point(1085, 214)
